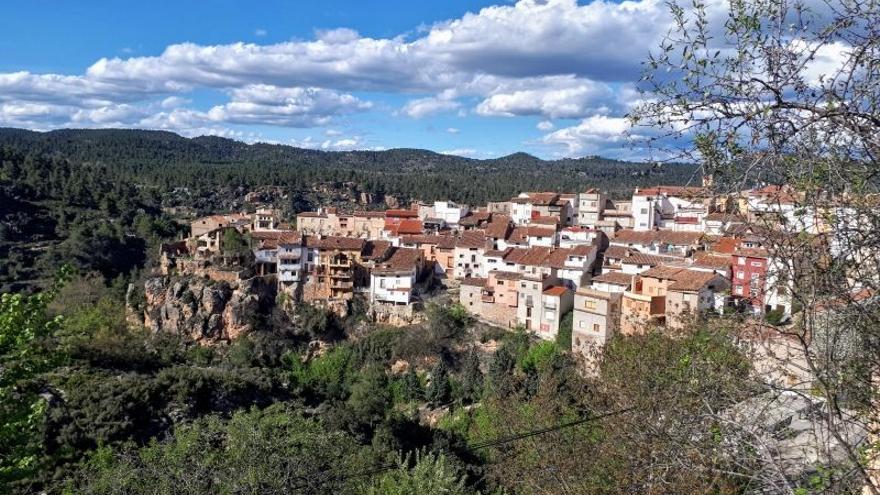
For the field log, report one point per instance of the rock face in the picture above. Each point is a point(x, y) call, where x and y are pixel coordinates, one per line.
point(204, 310)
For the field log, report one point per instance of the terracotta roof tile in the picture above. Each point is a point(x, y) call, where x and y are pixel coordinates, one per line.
point(407, 226)
point(401, 260)
point(474, 281)
point(692, 281)
point(631, 236)
point(752, 253)
point(682, 278)
point(648, 259)
point(597, 294)
point(557, 290)
point(472, 239)
point(615, 278)
point(535, 256)
point(498, 227)
point(399, 213)
point(342, 243)
point(537, 231)
point(377, 250)
point(714, 261)
point(475, 218)
point(500, 275)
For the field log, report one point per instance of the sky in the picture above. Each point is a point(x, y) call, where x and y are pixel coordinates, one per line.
point(554, 78)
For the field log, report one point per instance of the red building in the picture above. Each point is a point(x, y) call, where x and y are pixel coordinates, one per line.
point(749, 282)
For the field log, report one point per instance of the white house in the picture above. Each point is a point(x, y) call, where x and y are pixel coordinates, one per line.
point(449, 212)
point(394, 281)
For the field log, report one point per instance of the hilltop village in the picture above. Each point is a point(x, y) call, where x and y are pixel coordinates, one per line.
point(666, 256)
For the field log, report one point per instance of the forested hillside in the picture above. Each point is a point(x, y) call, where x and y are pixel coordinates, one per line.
point(164, 159)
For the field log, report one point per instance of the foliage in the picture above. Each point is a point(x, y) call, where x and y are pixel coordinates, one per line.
point(234, 243)
point(370, 396)
point(439, 389)
point(271, 451)
point(501, 372)
point(412, 386)
point(471, 377)
point(566, 324)
point(429, 474)
point(25, 352)
point(318, 323)
point(326, 376)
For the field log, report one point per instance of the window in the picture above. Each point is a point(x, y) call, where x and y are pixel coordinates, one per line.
point(550, 316)
point(741, 275)
point(738, 289)
point(756, 263)
point(595, 327)
point(590, 304)
point(644, 212)
point(582, 324)
point(741, 261)
point(381, 283)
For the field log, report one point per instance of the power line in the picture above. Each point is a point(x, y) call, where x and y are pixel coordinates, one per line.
point(480, 446)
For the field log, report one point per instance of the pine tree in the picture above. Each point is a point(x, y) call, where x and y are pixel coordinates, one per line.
point(501, 372)
point(472, 377)
point(439, 389)
point(412, 386)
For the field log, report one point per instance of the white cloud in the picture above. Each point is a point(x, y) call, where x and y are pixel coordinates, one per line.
point(174, 102)
point(552, 59)
point(466, 152)
point(452, 130)
point(555, 97)
point(591, 136)
point(342, 144)
point(291, 107)
point(423, 107)
point(260, 32)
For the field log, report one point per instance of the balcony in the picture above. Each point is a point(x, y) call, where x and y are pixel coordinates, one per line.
point(336, 284)
point(488, 298)
point(340, 264)
point(340, 274)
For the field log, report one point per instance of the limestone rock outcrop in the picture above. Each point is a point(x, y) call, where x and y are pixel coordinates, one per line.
point(204, 310)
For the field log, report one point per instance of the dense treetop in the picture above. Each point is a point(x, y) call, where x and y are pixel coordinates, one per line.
point(165, 159)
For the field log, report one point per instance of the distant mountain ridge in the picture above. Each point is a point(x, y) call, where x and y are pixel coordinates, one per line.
point(202, 161)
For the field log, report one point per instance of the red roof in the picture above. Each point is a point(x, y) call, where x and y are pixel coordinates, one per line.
point(498, 227)
point(342, 243)
point(631, 236)
point(401, 214)
point(472, 239)
point(614, 278)
point(725, 245)
point(407, 226)
point(555, 291)
point(752, 253)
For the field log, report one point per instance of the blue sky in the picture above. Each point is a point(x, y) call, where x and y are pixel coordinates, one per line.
point(552, 77)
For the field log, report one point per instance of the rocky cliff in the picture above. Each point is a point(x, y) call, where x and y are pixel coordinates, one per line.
point(205, 310)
